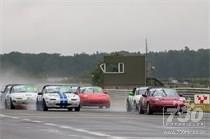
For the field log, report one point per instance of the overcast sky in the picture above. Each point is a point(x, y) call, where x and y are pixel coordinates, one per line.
point(75, 26)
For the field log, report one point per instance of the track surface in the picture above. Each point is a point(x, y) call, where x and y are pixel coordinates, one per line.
point(93, 123)
point(87, 124)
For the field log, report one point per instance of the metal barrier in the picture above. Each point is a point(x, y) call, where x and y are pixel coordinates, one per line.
point(189, 93)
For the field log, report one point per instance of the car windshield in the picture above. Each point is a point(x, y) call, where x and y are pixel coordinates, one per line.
point(97, 90)
point(164, 92)
point(158, 93)
point(25, 88)
point(171, 92)
point(75, 89)
point(92, 90)
point(56, 89)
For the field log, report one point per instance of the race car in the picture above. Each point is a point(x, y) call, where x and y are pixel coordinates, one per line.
point(19, 95)
point(132, 101)
point(94, 96)
point(159, 100)
point(5, 89)
point(57, 97)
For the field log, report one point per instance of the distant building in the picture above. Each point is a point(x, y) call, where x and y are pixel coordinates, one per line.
point(123, 71)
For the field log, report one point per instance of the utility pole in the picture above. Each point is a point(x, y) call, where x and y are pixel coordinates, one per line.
point(146, 47)
point(146, 61)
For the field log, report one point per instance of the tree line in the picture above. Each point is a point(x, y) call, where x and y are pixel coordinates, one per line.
point(184, 63)
point(180, 64)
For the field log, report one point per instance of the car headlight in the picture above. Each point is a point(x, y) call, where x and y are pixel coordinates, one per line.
point(15, 98)
point(182, 99)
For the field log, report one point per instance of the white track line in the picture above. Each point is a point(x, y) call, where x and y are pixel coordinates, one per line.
point(35, 121)
point(26, 120)
point(99, 134)
point(84, 131)
point(50, 124)
point(7, 116)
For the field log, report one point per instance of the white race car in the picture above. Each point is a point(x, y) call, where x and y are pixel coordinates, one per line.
point(58, 96)
point(19, 95)
point(132, 101)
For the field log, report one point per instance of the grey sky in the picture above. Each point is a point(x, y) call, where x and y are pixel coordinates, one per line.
point(75, 26)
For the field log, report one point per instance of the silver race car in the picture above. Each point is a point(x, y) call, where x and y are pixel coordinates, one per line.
point(58, 97)
point(19, 95)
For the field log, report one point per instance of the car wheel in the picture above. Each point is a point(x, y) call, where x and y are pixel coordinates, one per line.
point(149, 111)
point(128, 106)
point(135, 106)
point(70, 109)
point(140, 110)
point(37, 106)
point(164, 110)
point(77, 108)
point(11, 106)
point(44, 106)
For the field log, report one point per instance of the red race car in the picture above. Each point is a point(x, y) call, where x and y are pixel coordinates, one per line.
point(94, 96)
point(155, 99)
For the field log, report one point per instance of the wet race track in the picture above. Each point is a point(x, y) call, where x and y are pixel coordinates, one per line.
point(94, 123)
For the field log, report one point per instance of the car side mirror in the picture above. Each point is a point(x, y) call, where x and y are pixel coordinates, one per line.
point(144, 95)
point(40, 93)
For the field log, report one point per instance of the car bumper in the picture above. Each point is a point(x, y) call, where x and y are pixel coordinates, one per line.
point(105, 103)
point(167, 105)
point(54, 104)
point(23, 102)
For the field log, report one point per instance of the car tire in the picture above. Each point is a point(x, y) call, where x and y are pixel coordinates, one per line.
point(128, 106)
point(140, 110)
point(148, 110)
point(44, 106)
point(37, 106)
point(70, 109)
point(164, 110)
point(77, 109)
point(135, 106)
point(11, 105)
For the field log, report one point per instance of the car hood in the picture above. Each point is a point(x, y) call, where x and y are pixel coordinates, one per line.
point(101, 95)
point(71, 95)
point(68, 95)
point(169, 98)
point(25, 94)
